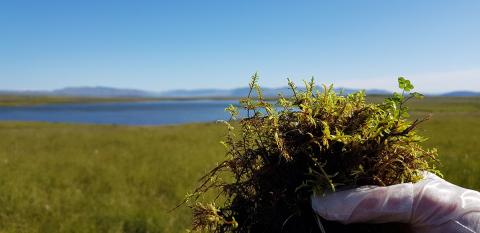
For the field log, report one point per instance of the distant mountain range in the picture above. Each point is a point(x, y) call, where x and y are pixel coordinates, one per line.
point(462, 93)
point(227, 93)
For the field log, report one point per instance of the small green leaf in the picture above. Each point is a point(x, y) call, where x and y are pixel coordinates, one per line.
point(397, 97)
point(405, 84)
point(418, 95)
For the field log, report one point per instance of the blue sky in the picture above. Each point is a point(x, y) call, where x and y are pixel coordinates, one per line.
point(162, 45)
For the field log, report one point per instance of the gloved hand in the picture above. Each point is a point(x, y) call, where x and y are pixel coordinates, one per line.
point(431, 205)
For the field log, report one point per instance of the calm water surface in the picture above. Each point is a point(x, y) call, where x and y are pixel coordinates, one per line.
point(137, 113)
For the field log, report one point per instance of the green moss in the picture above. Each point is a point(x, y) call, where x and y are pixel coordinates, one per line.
point(311, 143)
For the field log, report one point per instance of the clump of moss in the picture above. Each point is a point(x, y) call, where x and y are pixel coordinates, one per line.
point(310, 143)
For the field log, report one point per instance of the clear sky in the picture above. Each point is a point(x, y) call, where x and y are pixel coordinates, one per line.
point(162, 45)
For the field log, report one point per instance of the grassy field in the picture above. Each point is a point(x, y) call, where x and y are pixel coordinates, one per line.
point(86, 178)
point(72, 178)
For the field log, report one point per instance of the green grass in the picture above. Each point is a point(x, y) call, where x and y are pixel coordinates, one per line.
point(87, 178)
point(77, 178)
point(453, 128)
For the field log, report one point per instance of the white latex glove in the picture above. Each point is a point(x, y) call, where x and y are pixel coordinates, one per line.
point(431, 205)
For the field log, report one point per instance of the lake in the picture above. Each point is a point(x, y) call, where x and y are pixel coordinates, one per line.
point(132, 113)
